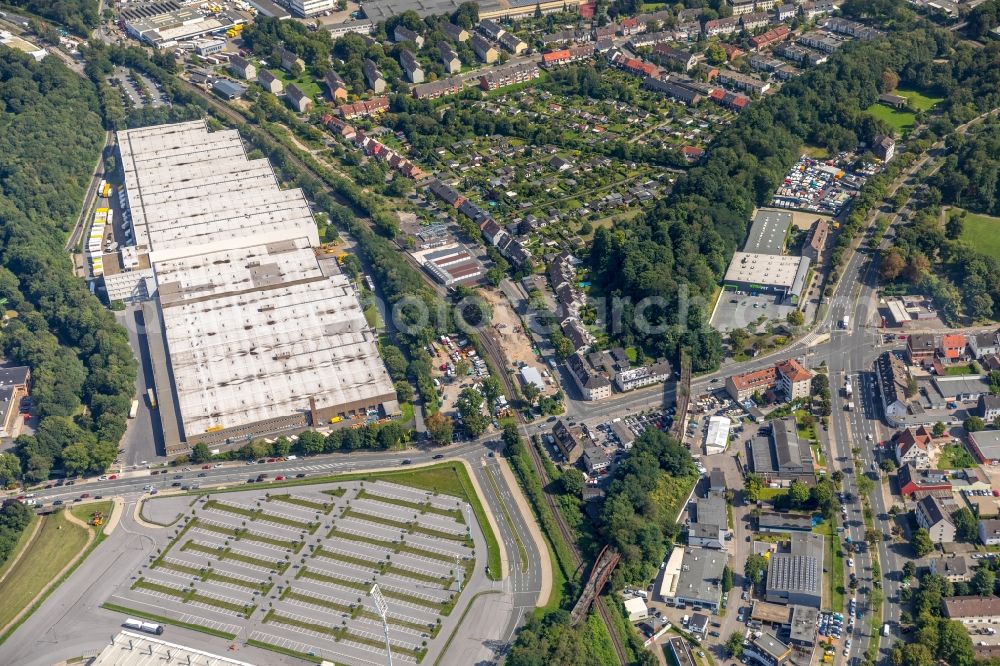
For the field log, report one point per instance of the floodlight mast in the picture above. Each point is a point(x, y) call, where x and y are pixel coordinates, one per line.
point(382, 607)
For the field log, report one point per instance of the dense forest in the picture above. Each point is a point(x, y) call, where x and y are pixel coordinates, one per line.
point(79, 16)
point(84, 371)
point(984, 18)
point(680, 249)
point(970, 177)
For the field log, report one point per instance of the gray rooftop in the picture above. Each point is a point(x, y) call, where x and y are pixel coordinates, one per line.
point(768, 643)
point(133, 649)
point(800, 569)
point(804, 620)
point(711, 510)
point(701, 575)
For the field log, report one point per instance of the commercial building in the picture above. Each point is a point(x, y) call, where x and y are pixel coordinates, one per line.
point(796, 576)
point(788, 378)
point(592, 384)
point(768, 273)
point(768, 232)
point(450, 264)
point(921, 483)
point(972, 609)
point(23, 45)
point(227, 89)
point(249, 332)
point(933, 516)
point(781, 457)
point(816, 240)
point(783, 523)
point(128, 648)
point(700, 581)
point(629, 379)
point(985, 446)
point(717, 435)
point(894, 382)
point(710, 528)
point(766, 649)
point(357, 26)
point(306, 8)
point(636, 609)
point(672, 573)
point(595, 459)
point(164, 24)
point(15, 385)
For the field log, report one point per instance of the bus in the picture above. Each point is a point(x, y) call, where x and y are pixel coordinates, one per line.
point(152, 398)
point(134, 409)
point(148, 627)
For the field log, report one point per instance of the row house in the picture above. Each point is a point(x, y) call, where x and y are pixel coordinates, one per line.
point(335, 86)
point(633, 65)
point(484, 50)
point(408, 61)
point(850, 28)
point(800, 54)
point(665, 54)
point(454, 32)
point(490, 28)
point(383, 153)
point(650, 39)
point(772, 36)
point(512, 43)
point(672, 89)
point(435, 89)
point(765, 63)
point(811, 10)
point(740, 7)
point(786, 12)
point(446, 193)
point(821, 41)
point(755, 20)
point(739, 81)
point(449, 58)
point(723, 26)
point(404, 34)
point(338, 126)
point(729, 100)
point(364, 108)
point(569, 36)
point(567, 56)
point(508, 75)
point(631, 26)
point(373, 76)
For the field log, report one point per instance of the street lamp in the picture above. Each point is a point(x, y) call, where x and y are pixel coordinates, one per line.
point(382, 607)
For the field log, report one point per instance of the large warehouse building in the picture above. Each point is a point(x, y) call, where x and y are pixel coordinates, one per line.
point(780, 274)
point(250, 333)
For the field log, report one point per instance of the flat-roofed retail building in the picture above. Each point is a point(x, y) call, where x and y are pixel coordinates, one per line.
point(249, 332)
point(768, 232)
point(753, 271)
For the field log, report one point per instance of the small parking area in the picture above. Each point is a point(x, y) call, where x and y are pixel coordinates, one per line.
point(739, 309)
point(293, 567)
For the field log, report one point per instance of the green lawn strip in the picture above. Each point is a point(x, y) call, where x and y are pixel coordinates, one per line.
point(442, 607)
point(224, 553)
point(244, 609)
point(57, 543)
point(836, 568)
point(264, 586)
point(411, 527)
point(981, 231)
point(315, 506)
point(334, 492)
point(261, 515)
point(324, 578)
point(157, 587)
point(229, 508)
point(218, 529)
point(167, 620)
point(174, 541)
point(422, 507)
point(443, 581)
point(311, 658)
point(522, 552)
point(323, 603)
point(340, 633)
point(294, 546)
point(180, 568)
point(432, 629)
point(379, 565)
point(396, 546)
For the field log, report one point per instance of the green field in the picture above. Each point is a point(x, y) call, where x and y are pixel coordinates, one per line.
point(58, 542)
point(306, 83)
point(918, 100)
point(955, 456)
point(983, 233)
point(901, 121)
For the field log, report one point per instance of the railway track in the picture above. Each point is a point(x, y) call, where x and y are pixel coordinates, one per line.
point(496, 356)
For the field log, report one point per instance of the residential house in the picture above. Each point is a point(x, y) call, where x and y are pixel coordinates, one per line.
point(404, 34)
point(821, 41)
point(592, 384)
point(668, 55)
point(512, 43)
point(449, 58)
point(787, 377)
point(984, 344)
point(270, 82)
point(242, 67)
point(373, 76)
point(884, 147)
point(989, 532)
point(335, 86)
point(484, 50)
point(973, 609)
point(569, 440)
point(750, 84)
point(767, 649)
point(723, 26)
point(914, 447)
point(816, 240)
point(364, 108)
point(298, 99)
point(893, 101)
point(894, 386)
point(15, 385)
point(934, 516)
point(811, 10)
point(490, 28)
point(755, 21)
point(594, 458)
point(450, 86)
point(786, 12)
point(920, 348)
point(954, 569)
point(289, 59)
point(508, 75)
point(672, 89)
point(952, 348)
point(740, 7)
point(414, 72)
point(921, 483)
point(454, 32)
point(731, 50)
point(770, 37)
point(989, 407)
point(794, 381)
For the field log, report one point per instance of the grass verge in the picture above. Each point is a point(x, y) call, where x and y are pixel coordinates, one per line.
point(167, 620)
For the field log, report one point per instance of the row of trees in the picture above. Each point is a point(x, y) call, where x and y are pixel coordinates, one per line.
point(936, 637)
point(13, 519)
point(84, 371)
point(970, 176)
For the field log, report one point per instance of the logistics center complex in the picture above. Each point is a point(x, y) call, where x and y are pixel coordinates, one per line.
point(250, 330)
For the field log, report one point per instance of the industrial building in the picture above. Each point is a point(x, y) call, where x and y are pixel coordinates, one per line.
point(768, 232)
point(164, 24)
point(249, 332)
point(796, 576)
point(700, 580)
point(782, 457)
point(751, 271)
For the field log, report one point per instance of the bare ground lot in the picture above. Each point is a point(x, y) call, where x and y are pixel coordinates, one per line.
point(514, 342)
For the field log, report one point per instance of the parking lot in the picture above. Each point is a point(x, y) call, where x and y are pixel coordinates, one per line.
point(292, 568)
point(741, 310)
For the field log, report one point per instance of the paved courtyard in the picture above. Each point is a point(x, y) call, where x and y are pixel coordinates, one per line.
point(292, 568)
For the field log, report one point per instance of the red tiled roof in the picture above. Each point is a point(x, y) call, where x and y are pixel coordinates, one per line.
point(794, 371)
